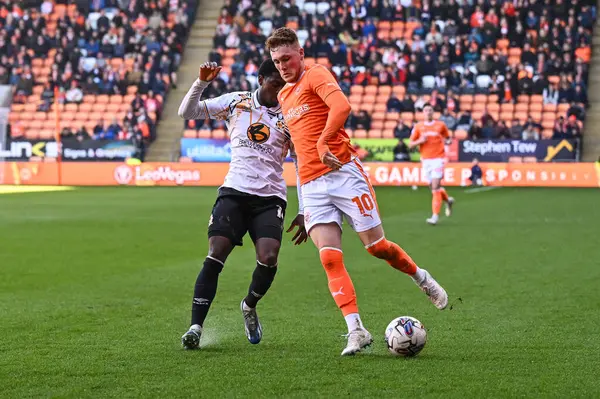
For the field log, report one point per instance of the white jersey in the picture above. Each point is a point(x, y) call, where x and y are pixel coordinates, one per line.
point(260, 140)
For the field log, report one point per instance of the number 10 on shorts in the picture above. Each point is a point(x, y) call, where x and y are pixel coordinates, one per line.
point(364, 204)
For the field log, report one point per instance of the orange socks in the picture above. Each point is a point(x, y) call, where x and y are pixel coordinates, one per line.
point(340, 284)
point(444, 194)
point(436, 202)
point(394, 255)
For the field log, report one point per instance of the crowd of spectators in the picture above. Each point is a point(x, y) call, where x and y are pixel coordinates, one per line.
point(100, 47)
point(439, 49)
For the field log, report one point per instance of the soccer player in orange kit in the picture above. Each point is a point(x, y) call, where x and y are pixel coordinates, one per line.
point(334, 184)
point(430, 135)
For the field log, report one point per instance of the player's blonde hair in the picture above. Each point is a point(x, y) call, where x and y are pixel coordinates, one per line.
point(282, 37)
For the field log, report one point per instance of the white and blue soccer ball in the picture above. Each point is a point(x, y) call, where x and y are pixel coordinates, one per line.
point(405, 336)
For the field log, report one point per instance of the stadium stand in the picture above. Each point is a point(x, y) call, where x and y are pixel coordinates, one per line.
point(492, 69)
point(112, 63)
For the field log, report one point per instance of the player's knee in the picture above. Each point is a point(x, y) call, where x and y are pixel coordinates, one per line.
point(219, 248)
point(380, 249)
point(268, 256)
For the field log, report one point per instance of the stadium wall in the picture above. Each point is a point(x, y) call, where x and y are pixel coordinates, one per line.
point(213, 174)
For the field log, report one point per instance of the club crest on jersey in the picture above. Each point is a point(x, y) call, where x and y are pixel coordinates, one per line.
point(258, 133)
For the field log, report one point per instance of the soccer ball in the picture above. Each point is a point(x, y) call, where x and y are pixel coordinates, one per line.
point(405, 336)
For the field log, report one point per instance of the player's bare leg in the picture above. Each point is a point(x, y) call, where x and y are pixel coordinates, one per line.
point(267, 251)
point(327, 238)
point(378, 246)
point(206, 288)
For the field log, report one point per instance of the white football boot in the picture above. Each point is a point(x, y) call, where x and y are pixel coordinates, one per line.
point(433, 220)
point(357, 340)
point(437, 295)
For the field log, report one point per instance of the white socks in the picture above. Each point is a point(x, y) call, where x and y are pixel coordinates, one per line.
point(353, 321)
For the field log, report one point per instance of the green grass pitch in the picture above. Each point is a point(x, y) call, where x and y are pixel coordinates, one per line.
point(96, 286)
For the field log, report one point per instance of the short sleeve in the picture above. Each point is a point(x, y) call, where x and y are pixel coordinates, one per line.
point(444, 130)
point(322, 82)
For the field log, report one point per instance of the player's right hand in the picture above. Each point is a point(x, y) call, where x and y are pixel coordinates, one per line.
point(331, 161)
point(209, 71)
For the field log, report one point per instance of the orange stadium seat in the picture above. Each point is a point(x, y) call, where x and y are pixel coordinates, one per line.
point(367, 106)
point(378, 116)
point(371, 90)
point(390, 125)
point(377, 124)
point(388, 133)
point(204, 134)
point(375, 134)
point(356, 89)
point(392, 116)
point(380, 107)
point(190, 134)
point(548, 123)
point(219, 134)
point(360, 134)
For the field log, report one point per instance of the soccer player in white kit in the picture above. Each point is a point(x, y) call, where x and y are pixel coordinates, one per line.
point(252, 198)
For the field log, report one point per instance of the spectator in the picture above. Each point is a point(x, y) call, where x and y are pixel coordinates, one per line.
point(362, 120)
point(394, 104)
point(476, 177)
point(436, 101)
point(448, 119)
point(572, 128)
point(516, 129)
point(402, 131)
point(74, 94)
point(488, 127)
point(401, 153)
point(530, 133)
point(559, 130)
point(100, 130)
point(82, 134)
point(550, 95)
point(580, 96)
point(577, 111)
point(502, 131)
point(465, 122)
point(452, 103)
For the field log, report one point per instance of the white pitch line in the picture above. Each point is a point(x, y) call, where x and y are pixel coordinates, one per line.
point(480, 189)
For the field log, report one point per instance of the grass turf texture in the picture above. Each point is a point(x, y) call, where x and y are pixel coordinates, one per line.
point(96, 286)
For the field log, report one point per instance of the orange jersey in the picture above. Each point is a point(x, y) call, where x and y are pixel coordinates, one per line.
point(305, 113)
point(436, 133)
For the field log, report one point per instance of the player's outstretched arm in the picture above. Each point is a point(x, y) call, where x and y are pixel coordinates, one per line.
point(191, 107)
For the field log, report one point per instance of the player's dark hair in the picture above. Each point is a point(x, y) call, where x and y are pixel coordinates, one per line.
point(267, 68)
point(427, 105)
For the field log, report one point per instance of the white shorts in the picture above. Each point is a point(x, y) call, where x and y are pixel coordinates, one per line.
point(433, 168)
point(346, 192)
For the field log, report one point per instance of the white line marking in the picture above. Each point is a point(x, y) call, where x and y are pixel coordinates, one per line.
point(480, 190)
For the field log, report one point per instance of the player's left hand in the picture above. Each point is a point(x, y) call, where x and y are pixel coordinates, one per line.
point(331, 161)
point(301, 235)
